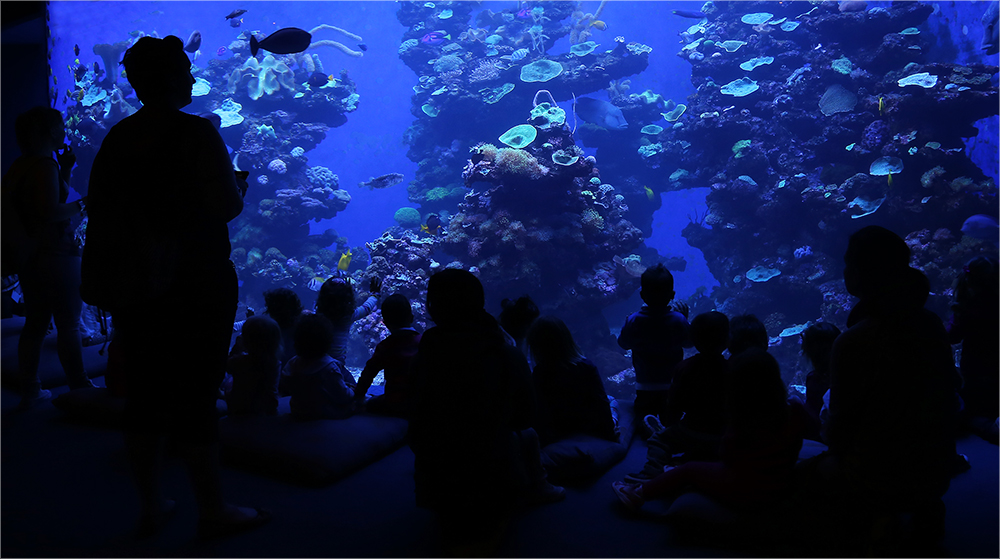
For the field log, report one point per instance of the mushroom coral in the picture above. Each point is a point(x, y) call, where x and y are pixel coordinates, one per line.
point(111, 54)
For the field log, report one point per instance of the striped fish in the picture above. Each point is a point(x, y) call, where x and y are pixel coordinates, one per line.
point(519, 54)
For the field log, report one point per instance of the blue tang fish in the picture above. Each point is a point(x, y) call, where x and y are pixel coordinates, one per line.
point(600, 113)
point(283, 41)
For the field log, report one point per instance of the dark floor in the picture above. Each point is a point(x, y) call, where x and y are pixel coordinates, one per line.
point(66, 492)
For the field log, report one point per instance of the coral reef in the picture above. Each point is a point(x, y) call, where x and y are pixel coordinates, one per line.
point(850, 125)
point(480, 75)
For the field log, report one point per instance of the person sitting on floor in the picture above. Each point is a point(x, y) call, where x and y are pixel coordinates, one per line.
point(695, 414)
point(568, 388)
point(312, 378)
point(337, 303)
point(285, 307)
point(893, 392)
point(817, 343)
point(476, 455)
point(759, 450)
point(974, 324)
point(657, 335)
point(255, 370)
point(746, 331)
point(395, 356)
point(515, 319)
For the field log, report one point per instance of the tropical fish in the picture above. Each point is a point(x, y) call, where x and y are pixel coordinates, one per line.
point(991, 29)
point(235, 14)
point(690, 14)
point(600, 25)
point(881, 105)
point(600, 113)
point(981, 226)
point(435, 38)
point(363, 47)
point(76, 50)
point(193, 43)
point(319, 79)
point(649, 193)
point(524, 13)
point(519, 54)
point(383, 181)
point(283, 41)
point(235, 22)
point(433, 225)
point(97, 68)
point(890, 179)
point(345, 261)
point(221, 51)
point(316, 283)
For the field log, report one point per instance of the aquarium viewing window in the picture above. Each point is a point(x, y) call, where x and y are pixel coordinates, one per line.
point(560, 149)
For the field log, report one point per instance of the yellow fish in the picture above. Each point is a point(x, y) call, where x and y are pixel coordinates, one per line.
point(345, 261)
point(881, 105)
point(599, 24)
point(890, 180)
point(649, 193)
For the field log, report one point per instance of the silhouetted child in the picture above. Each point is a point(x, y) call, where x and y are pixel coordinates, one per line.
point(695, 415)
point(336, 302)
point(314, 380)
point(568, 388)
point(285, 307)
point(515, 319)
point(657, 336)
point(759, 449)
point(817, 343)
point(974, 323)
point(255, 370)
point(746, 331)
point(395, 356)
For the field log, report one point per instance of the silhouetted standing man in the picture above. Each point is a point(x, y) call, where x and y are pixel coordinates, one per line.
point(162, 191)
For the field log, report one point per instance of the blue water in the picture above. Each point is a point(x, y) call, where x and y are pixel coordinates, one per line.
point(371, 141)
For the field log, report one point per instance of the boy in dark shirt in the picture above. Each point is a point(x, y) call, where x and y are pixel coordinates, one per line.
point(695, 413)
point(395, 355)
point(657, 336)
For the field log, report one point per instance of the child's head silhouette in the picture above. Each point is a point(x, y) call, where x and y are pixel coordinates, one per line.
point(657, 286)
point(396, 311)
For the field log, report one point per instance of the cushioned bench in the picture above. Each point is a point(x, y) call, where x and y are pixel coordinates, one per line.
point(50, 372)
point(582, 458)
point(96, 406)
point(308, 452)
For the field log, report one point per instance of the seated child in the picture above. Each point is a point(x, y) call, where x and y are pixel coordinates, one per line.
point(695, 412)
point(255, 369)
point(315, 380)
point(395, 356)
point(285, 307)
point(746, 331)
point(337, 303)
point(759, 449)
point(657, 336)
point(568, 389)
point(817, 343)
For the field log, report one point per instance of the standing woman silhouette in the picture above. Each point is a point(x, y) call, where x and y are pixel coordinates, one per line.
point(162, 191)
point(48, 257)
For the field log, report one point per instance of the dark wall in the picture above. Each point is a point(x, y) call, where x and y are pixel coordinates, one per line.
point(24, 81)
